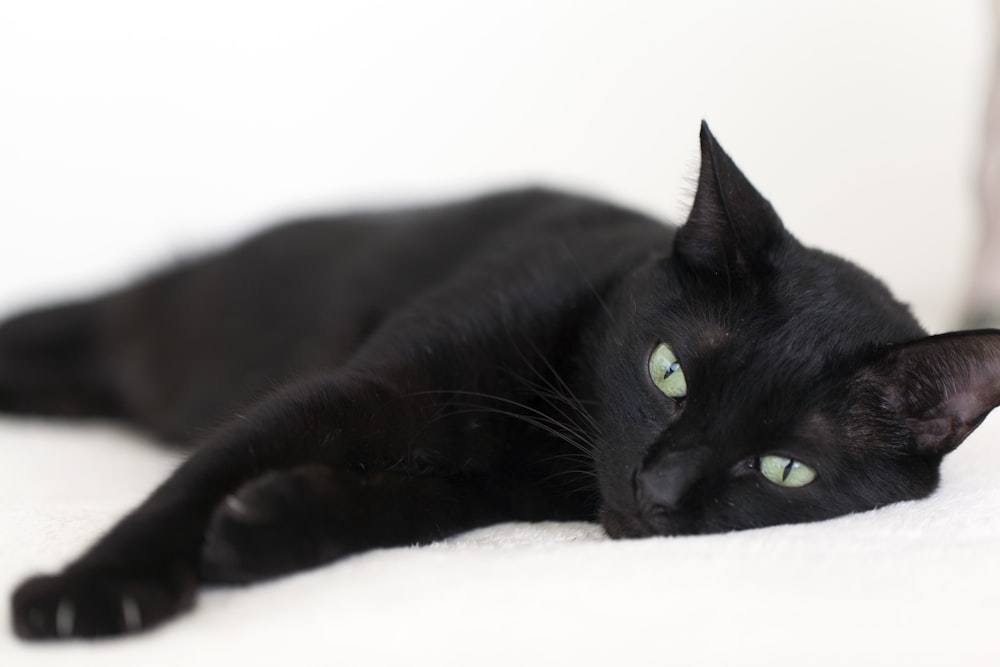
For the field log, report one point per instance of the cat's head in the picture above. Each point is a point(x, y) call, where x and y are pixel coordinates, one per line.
point(749, 381)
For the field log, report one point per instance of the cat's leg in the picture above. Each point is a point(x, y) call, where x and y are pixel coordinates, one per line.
point(52, 362)
point(146, 568)
point(292, 520)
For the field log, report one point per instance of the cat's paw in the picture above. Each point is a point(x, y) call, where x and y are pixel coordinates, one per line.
point(278, 523)
point(96, 603)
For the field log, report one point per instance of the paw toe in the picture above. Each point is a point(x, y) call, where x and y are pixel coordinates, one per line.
point(92, 604)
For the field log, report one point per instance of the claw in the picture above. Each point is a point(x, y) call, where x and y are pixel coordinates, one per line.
point(131, 614)
point(237, 506)
point(65, 615)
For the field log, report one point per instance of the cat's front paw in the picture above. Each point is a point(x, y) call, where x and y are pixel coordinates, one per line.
point(97, 602)
point(279, 523)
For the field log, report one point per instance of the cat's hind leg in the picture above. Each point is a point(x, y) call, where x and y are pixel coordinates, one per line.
point(53, 362)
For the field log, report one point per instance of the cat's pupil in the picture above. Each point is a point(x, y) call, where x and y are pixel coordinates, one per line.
point(666, 372)
point(784, 471)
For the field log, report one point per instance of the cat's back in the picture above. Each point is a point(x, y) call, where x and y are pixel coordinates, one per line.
point(379, 260)
point(401, 240)
point(198, 338)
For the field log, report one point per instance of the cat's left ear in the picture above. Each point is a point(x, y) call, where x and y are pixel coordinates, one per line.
point(732, 228)
point(940, 387)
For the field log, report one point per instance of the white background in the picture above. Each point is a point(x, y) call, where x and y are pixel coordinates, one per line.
point(133, 133)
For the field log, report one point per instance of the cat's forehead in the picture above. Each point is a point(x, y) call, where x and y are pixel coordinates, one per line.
point(830, 304)
point(813, 309)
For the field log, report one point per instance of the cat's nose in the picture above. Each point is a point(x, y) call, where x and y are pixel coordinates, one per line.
point(661, 488)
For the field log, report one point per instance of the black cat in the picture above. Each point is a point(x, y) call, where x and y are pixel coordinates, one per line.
point(390, 379)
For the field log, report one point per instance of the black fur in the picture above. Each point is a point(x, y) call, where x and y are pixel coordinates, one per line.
point(393, 378)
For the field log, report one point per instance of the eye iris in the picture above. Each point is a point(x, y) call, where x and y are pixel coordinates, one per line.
point(784, 471)
point(666, 372)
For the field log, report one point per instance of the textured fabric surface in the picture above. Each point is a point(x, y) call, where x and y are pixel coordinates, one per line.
point(916, 582)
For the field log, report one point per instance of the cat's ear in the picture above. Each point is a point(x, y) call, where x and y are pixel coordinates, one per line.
point(940, 387)
point(731, 227)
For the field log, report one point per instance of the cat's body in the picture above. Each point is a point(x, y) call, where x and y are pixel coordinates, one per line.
point(388, 379)
point(313, 296)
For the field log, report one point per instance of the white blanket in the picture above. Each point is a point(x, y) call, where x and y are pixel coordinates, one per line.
point(915, 583)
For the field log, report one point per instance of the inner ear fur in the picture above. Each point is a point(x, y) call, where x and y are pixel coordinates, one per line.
point(941, 387)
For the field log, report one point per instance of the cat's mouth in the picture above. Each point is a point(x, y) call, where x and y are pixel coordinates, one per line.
point(623, 525)
point(620, 526)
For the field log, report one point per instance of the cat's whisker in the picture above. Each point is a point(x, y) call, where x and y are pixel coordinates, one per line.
point(549, 391)
point(578, 410)
point(563, 391)
point(535, 416)
point(586, 470)
point(564, 386)
point(552, 429)
point(574, 480)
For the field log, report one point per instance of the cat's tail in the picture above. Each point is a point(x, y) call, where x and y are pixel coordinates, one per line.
point(53, 362)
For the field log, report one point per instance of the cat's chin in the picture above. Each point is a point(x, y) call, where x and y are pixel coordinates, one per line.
point(631, 525)
point(620, 526)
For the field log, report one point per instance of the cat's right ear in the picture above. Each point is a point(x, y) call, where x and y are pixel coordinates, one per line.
point(732, 228)
point(939, 387)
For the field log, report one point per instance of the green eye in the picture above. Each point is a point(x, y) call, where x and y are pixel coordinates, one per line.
point(784, 471)
point(666, 372)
